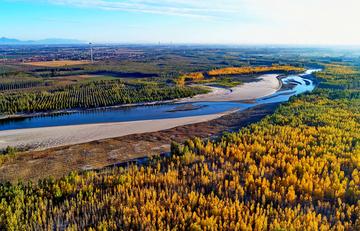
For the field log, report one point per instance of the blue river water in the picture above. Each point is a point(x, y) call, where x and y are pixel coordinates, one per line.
point(302, 83)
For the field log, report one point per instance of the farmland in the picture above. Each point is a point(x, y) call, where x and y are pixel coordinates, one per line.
point(58, 63)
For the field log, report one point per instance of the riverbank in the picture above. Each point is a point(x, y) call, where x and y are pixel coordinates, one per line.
point(69, 111)
point(264, 85)
point(49, 137)
point(59, 161)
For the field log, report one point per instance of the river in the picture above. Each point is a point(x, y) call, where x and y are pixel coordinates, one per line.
point(300, 83)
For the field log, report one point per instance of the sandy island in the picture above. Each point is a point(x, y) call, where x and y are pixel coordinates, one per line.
point(267, 85)
point(42, 138)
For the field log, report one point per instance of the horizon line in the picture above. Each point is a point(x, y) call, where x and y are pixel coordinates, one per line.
point(80, 43)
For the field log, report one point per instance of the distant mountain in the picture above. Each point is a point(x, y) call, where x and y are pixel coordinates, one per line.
point(51, 41)
point(4, 40)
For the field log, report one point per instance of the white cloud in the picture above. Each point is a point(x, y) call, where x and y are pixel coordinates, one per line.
point(190, 8)
point(302, 21)
point(241, 21)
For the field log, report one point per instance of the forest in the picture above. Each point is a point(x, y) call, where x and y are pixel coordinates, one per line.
point(254, 70)
point(221, 76)
point(87, 95)
point(297, 169)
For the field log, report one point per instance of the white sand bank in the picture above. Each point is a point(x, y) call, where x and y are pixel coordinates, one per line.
point(42, 138)
point(268, 84)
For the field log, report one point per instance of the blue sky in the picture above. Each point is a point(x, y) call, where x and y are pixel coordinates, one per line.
point(184, 21)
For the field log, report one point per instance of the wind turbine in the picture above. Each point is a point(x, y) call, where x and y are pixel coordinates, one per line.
point(91, 53)
point(3, 63)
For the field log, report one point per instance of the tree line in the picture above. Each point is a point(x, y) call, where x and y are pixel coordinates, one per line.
point(253, 70)
point(213, 75)
point(19, 84)
point(91, 95)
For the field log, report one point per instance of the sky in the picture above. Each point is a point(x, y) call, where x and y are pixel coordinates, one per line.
point(302, 22)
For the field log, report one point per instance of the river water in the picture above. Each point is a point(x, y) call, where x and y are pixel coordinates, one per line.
point(301, 83)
